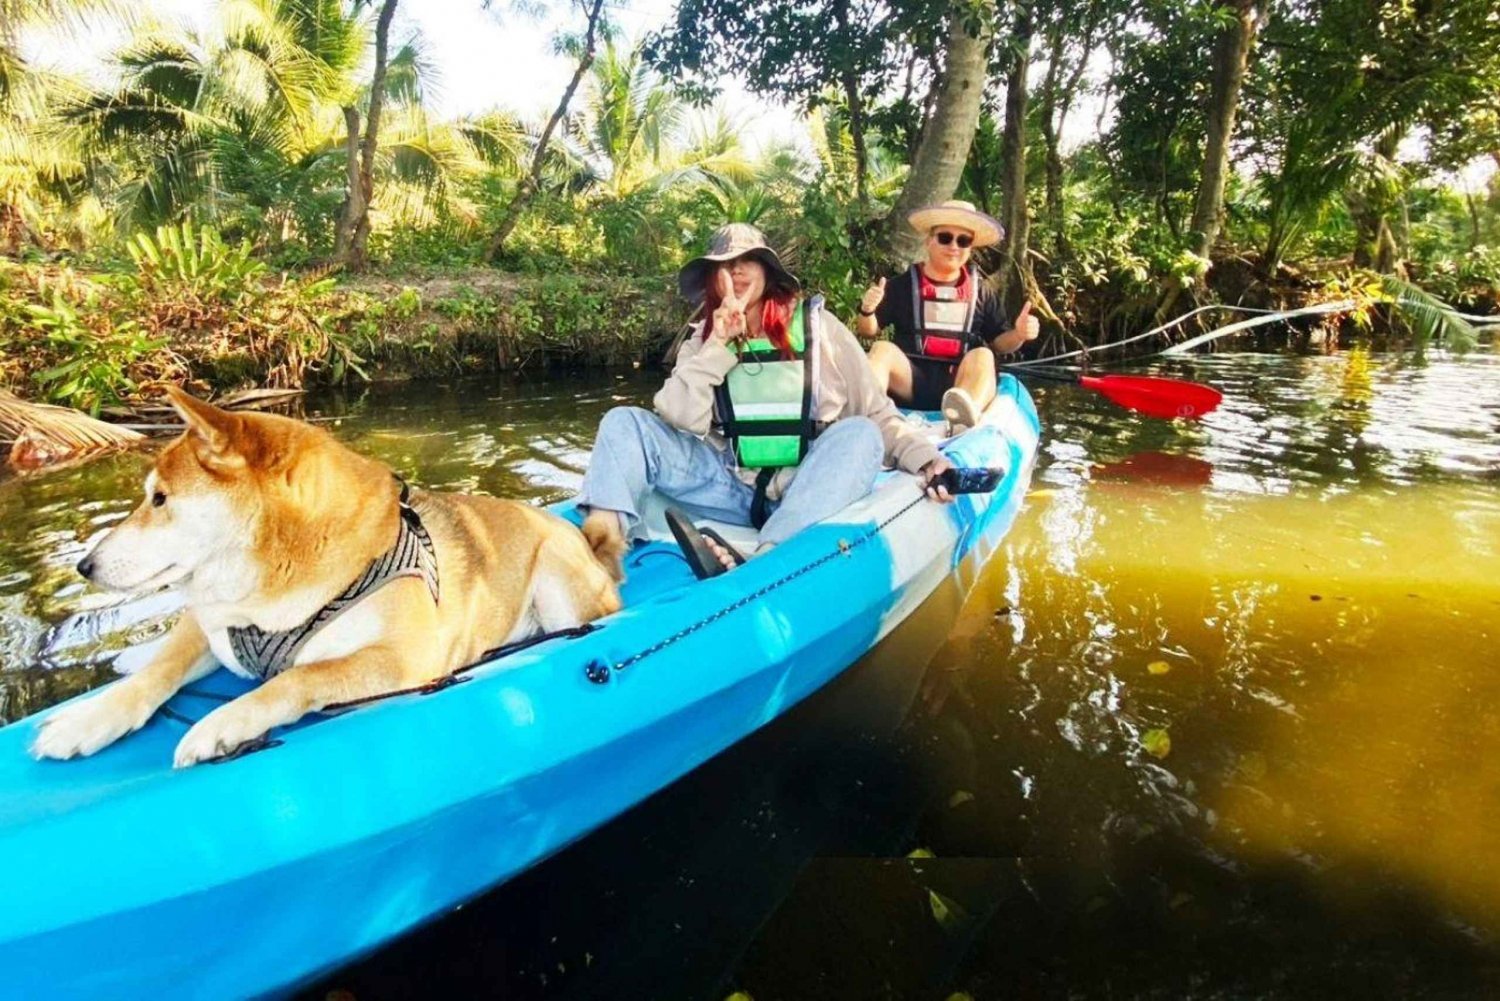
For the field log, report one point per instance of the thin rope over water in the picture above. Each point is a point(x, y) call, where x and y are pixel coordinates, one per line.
point(1268, 316)
point(1342, 306)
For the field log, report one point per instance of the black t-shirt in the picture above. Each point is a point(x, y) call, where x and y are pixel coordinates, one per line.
point(895, 310)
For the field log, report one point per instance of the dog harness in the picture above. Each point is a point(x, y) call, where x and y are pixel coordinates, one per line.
point(265, 654)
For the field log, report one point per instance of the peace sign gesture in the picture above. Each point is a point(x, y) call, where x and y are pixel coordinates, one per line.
point(729, 318)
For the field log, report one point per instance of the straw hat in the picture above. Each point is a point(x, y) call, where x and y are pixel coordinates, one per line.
point(960, 215)
point(738, 239)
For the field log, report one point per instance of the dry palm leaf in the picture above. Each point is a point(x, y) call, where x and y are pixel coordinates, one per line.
point(40, 433)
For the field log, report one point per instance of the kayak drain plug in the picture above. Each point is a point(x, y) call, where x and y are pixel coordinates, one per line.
point(597, 671)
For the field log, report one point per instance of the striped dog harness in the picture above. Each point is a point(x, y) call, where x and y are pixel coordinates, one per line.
point(266, 654)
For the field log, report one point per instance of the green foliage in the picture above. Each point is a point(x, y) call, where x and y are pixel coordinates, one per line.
point(215, 165)
point(93, 366)
point(832, 250)
point(197, 260)
point(1432, 321)
point(1470, 278)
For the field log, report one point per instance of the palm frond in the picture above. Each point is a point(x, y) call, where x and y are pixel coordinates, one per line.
point(1432, 320)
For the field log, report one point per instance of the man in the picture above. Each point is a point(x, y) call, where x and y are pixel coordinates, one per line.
point(948, 325)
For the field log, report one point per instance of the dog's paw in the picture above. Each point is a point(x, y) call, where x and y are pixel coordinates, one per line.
point(220, 732)
point(86, 726)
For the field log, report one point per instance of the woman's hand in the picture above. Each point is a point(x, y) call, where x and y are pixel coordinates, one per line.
point(873, 297)
point(930, 472)
point(729, 318)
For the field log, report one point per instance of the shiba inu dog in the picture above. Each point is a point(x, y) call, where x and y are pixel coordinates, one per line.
point(301, 564)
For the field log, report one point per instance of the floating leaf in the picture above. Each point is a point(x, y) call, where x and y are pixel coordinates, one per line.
point(1158, 667)
point(1158, 743)
point(946, 912)
point(960, 797)
point(920, 853)
point(739, 996)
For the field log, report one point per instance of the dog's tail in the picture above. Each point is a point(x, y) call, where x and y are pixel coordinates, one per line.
point(607, 540)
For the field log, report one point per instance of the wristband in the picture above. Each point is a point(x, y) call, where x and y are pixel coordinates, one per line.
point(870, 313)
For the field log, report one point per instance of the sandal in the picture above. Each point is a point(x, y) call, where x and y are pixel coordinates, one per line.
point(703, 561)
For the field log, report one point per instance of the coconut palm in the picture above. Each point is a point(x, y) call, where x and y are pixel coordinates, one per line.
point(245, 129)
point(41, 167)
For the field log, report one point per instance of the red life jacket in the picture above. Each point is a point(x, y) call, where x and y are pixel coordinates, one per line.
point(943, 315)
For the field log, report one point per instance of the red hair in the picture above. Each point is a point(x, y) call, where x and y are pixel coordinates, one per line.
point(776, 306)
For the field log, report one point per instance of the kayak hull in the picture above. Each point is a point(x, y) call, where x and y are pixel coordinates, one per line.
point(128, 879)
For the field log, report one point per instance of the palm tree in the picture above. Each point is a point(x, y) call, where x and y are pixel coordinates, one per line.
point(41, 168)
point(629, 127)
point(246, 128)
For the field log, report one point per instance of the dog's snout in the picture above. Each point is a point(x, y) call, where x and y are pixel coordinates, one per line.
point(86, 567)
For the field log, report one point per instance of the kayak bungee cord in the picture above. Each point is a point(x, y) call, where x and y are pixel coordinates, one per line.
point(600, 672)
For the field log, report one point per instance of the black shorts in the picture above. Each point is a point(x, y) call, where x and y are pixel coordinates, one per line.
point(929, 381)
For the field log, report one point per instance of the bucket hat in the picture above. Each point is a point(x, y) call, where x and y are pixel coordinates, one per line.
point(737, 239)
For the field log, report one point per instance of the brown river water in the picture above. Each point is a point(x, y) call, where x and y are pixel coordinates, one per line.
point(1220, 719)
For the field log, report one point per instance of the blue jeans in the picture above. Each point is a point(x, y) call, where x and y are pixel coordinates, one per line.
point(636, 452)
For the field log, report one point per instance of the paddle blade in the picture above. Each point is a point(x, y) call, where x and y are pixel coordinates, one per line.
point(1155, 396)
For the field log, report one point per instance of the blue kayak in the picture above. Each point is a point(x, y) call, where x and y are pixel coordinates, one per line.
point(127, 879)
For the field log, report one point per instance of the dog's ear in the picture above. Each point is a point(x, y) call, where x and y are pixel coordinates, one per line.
point(213, 428)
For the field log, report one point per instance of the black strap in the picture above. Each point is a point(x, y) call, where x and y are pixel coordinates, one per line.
point(758, 513)
point(408, 513)
point(811, 317)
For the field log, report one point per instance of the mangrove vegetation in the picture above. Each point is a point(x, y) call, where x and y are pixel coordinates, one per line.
point(274, 201)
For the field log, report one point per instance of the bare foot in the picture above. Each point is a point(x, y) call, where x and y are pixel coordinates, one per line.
point(723, 555)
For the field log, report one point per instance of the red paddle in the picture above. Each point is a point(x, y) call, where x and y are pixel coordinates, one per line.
point(1146, 394)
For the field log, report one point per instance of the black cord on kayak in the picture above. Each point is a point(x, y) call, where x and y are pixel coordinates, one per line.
point(435, 685)
point(600, 672)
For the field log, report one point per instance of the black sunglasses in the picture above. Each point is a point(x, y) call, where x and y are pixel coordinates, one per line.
point(964, 240)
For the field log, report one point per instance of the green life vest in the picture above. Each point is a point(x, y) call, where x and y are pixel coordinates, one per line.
point(765, 404)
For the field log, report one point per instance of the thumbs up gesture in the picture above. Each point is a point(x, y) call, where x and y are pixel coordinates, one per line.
point(1027, 324)
point(873, 297)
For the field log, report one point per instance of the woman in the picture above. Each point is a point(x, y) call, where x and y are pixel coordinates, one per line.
point(948, 325)
point(771, 418)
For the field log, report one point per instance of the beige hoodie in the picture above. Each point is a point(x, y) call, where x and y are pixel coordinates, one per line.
point(846, 388)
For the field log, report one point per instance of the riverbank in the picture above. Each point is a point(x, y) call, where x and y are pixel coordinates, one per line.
point(190, 310)
point(101, 337)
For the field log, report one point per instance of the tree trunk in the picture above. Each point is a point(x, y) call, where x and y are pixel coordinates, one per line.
point(353, 233)
point(849, 79)
point(1051, 125)
point(939, 163)
point(857, 133)
point(1014, 281)
point(1231, 59)
point(1056, 104)
point(354, 197)
point(532, 182)
point(1374, 243)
